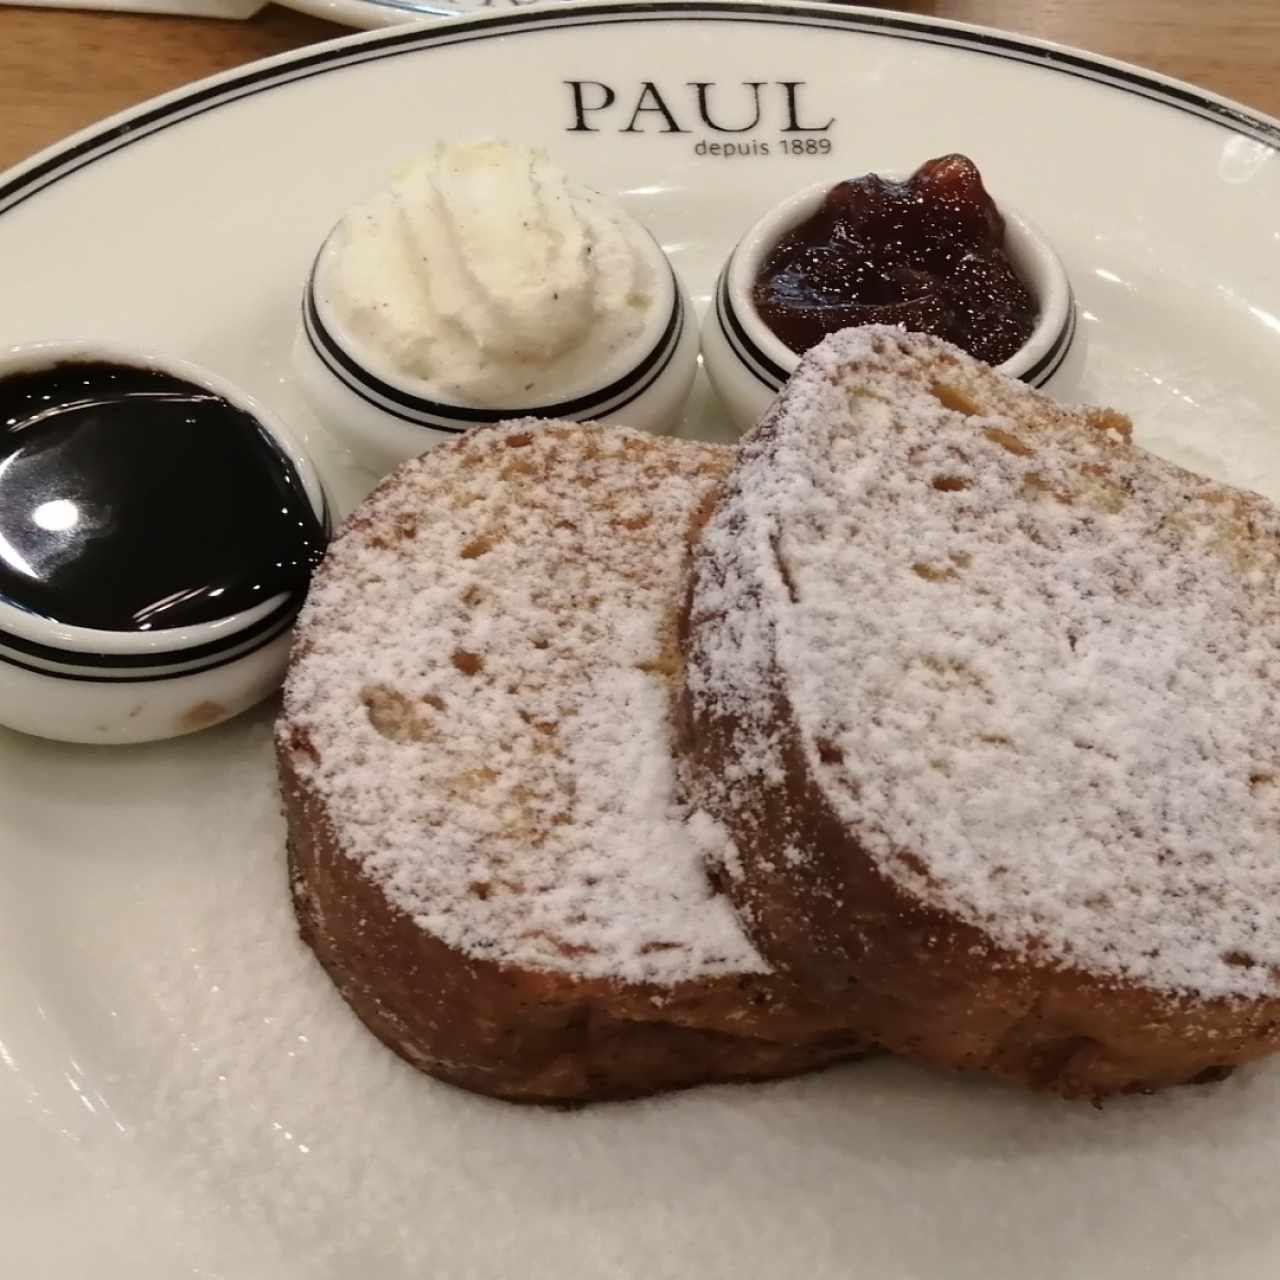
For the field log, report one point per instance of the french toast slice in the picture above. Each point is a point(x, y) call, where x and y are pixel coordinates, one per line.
point(489, 852)
point(989, 700)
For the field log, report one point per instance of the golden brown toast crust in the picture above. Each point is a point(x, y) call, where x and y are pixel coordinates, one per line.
point(925, 985)
point(511, 1026)
point(522, 1035)
point(916, 973)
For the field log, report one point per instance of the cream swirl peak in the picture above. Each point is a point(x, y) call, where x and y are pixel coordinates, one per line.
point(483, 270)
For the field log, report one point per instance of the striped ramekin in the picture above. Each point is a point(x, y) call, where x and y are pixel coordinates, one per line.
point(748, 363)
point(80, 684)
point(385, 417)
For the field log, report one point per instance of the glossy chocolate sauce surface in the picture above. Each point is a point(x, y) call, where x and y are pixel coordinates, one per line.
point(132, 500)
point(927, 253)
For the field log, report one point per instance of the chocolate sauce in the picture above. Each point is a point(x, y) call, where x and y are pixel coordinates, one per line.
point(927, 253)
point(132, 500)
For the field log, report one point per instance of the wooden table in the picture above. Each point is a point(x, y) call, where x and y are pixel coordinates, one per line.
point(61, 70)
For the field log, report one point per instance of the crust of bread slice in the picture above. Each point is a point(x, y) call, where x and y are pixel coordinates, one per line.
point(985, 695)
point(488, 850)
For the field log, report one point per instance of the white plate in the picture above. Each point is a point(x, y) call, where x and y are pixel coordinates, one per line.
point(181, 1091)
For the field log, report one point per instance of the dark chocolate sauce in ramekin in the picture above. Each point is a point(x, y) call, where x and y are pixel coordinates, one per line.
point(134, 500)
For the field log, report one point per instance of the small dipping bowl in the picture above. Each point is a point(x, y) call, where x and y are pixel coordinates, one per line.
point(94, 684)
point(384, 417)
point(748, 363)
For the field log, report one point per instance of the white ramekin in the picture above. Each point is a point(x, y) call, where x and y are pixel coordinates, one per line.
point(748, 363)
point(384, 417)
point(80, 684)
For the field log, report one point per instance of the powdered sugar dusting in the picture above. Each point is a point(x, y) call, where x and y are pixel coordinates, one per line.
point(1033, 666)
point(483, 670)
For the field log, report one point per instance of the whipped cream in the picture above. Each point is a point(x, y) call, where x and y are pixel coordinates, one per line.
point(484, 271)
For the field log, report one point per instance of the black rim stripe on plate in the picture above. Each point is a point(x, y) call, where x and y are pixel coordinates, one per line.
point(444, 417)
point(365, 48)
